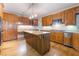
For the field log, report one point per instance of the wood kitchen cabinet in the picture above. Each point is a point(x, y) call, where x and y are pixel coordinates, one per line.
point(60, 15)
point(24, 20)
point(27, 21)
point(67, 17)
point(52, 36)
point(77, 9)
point(44, 21)
point(9, 26)
point(47, 20)
point(75, 41)
point(70, 16)
point(57, 37)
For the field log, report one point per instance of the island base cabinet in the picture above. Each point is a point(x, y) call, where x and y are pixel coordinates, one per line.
point(75, 41)
point(45, 44)
point(41, 42)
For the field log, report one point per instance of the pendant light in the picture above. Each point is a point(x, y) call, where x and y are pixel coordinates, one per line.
point(33, 15)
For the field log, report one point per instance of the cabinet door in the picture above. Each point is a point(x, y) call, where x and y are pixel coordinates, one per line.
point(59, 16)
point(9, 27)
point(70, 16)
point(47, 20)
point(52, 36)
point(55, 16)
point(59, 37)
point(24, 20)
point(62, 16)
point(44, 21)
point(77, 9)
point(75, 41)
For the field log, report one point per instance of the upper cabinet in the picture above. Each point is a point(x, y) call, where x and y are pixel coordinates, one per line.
point(49, 20)
point(60, 16)
point(46, 21)
point(9, 26)
point(67, 17)
point(70, 16)
point(27, 21)
point(24, 20)
point(77, 9)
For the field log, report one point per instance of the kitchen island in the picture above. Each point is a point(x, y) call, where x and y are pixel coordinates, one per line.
point(39, 40)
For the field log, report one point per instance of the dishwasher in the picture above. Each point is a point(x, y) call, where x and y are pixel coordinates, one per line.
point(68, 39)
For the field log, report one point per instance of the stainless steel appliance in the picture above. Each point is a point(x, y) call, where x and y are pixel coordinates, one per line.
point(0, 30)
point(67, 39)
point(77, 20)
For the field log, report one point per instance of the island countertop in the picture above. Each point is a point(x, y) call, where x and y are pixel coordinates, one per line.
point(36, 32)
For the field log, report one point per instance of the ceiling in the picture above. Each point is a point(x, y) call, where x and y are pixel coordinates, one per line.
point(41, 9)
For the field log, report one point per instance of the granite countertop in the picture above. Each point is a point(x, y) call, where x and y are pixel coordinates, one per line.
point(46, 30)
point(36, 32)
point(72, 31)
point(69, 31)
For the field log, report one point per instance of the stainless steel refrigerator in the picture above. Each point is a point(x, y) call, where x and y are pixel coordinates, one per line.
point(0, 30)
point(77, 20)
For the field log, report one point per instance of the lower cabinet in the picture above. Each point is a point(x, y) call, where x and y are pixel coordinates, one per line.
point(75, 41)
point(52, 36)
point(57, 37)
point(40, 43)
point(67, 39)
